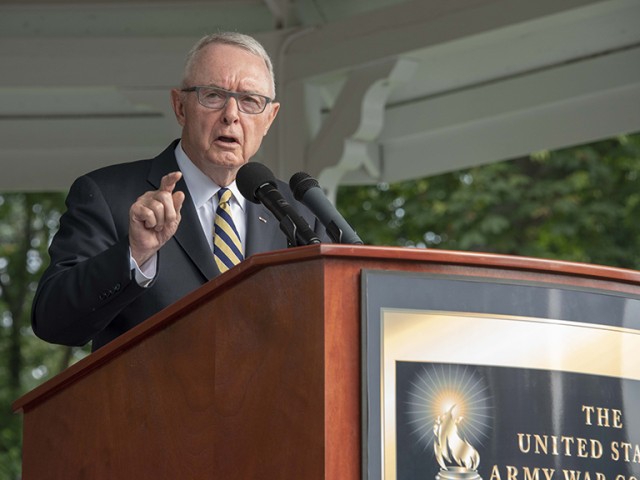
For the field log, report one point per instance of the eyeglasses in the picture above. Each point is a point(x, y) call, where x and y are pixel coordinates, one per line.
point(217, 98)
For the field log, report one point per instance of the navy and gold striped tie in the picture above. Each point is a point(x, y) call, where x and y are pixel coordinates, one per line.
point(227, 247)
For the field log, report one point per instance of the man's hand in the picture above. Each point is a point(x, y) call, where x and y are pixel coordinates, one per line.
point(154, 218)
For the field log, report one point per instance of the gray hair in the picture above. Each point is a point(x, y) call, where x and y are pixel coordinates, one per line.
point(236, 39)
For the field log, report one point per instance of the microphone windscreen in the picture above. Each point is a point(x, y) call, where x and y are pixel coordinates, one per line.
point(251, 177)
point(300, 183)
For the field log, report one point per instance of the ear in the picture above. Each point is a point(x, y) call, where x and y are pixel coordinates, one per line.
point(273, 112)
point(177, 101)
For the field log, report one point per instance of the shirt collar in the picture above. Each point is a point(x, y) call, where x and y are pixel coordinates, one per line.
point(201, 187)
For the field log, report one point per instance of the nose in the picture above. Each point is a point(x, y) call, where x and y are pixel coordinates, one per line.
point(230, 111)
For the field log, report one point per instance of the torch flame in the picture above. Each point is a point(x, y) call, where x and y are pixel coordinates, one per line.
point(449, 445)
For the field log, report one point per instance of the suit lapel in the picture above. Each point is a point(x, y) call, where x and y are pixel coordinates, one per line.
point(263, 231)
point(189, 234)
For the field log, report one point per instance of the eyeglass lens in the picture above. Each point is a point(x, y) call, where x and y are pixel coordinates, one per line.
point(217, 98)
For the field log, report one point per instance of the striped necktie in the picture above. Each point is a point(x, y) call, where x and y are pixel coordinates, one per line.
point(227, 248)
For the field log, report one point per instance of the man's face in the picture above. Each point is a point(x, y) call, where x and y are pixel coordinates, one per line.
point(219, 142)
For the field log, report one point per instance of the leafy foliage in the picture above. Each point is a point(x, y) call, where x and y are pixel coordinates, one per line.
point(28, 223)
point(578, 204)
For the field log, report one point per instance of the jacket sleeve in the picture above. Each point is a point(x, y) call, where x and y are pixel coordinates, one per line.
point(89, 280)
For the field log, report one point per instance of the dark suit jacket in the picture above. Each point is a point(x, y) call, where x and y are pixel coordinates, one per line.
point(88, 293)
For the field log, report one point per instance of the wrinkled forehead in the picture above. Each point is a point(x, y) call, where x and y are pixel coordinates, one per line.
point(230, 67)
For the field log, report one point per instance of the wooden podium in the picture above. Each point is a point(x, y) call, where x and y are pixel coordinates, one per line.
point(257, 374)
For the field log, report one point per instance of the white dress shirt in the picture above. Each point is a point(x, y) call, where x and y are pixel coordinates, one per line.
point(204, 191)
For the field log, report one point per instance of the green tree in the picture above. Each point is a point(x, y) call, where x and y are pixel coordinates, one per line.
point(28, 223)
point(578, 204)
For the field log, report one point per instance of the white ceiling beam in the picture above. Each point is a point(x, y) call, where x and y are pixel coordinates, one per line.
point(92, 62)
point(510, 136)
point(412, 26)
point(43, 169)
point(157, 19)
point(568, 105)
point(528, 92)
point(73, 146)
point(524, 48)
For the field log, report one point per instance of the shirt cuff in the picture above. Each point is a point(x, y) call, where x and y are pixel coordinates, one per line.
point(144, 274)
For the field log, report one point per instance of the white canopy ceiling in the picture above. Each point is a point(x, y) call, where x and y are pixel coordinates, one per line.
point(371, 90)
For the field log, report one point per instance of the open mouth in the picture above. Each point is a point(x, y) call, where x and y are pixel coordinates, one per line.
point(225, 139)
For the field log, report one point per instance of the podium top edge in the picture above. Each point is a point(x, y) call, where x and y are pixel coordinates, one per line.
point(453, 257)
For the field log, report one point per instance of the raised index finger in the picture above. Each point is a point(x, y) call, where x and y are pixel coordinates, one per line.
point(168, 182)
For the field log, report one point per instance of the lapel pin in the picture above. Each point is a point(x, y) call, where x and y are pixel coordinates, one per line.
point(263, 220)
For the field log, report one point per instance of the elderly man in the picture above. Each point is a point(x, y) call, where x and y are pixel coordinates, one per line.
point(137, 237)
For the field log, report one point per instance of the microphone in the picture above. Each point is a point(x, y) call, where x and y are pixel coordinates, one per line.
point(258, 185)
point(306, 189)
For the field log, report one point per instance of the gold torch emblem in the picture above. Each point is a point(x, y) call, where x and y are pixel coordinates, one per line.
point(457, 458)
